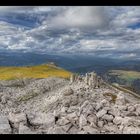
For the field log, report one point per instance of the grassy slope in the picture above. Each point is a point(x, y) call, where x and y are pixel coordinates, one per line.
point(39, 71)
point(127, 75)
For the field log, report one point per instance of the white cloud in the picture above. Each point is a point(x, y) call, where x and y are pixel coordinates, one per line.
point(74, 29)
point(83, 16)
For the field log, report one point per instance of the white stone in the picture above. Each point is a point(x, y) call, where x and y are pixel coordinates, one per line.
point(111, 128)
point(67, 91)
point(131, 108)
point(4, 125)
point(24, 129)
point(131, 130)
point(17, 118)
point(56, 130)
point(91, 130)
point(43, 119)
point(62, 121)
point(118, 120)
point(120, 100)
point(82, 121)
point(101, 113)
point(92, 118)
point(100, 124)
point(108, 117)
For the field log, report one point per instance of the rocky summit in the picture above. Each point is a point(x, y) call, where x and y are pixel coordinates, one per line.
point(85, 104)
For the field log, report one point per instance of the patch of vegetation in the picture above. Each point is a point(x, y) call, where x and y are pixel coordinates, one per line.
point(39, 71)
point(27, 96)
point(126, 75)
point(113, 100)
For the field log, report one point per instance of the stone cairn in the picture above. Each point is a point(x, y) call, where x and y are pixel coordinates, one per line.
point(91, 79)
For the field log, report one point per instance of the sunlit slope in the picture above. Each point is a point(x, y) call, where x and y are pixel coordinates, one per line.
point(127, 75)
point(39, 71)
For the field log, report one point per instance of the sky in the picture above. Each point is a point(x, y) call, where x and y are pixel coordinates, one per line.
point(105, 31)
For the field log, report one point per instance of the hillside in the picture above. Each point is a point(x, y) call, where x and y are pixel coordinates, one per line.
point(38, 71)
point(127, 79)
point(81, 105)
point(126, 75)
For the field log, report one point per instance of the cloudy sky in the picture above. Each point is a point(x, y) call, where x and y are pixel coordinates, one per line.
point(110, 31)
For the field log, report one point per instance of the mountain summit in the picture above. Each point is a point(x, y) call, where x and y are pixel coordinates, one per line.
point(85, 104)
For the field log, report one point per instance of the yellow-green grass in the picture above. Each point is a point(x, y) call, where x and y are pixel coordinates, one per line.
point(123, 74)
point(39, 71)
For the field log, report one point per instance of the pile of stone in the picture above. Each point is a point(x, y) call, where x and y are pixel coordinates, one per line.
point(91, 79)
point(76, 108)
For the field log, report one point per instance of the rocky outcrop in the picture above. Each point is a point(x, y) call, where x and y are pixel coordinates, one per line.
point(60, 107)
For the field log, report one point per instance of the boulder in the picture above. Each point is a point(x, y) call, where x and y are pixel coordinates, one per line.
point(120, 100)
point(137, 106)
point(91, 130)
point(3, 100)
point(63, 121)
point(17, 118)
point(67, 127)
point(88, 110)
point(23, 129)
point(56, 130)
point(4, 125)
point(108, 117)
point(82, 121)
point(43, 119)
point(100, 124)
point(114, 112)
point(118, 120)
point(126, 121)
point(74, 100)
point(73, 130)
point(92, 118)
point(101, 113)
point(131, 108)
point(67, 91)
point(131, 130)
point(66, 102)
point(72, 116)
point(111, 128)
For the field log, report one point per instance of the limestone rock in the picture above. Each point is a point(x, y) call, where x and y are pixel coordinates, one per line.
point(43, 119)
point(82, 121)
point(92, 118)
point(111, 128)
point(131, 108)
point(101, 113)
point(118, 120)
point(63, 121)
point(100, 124)
point(108, 117)
point(67, 92)
point(120, 100)
point(67, 127)
point(131, 130)
point(56, 130)
point(91, 130)
point(73, 130)
point(4, 125)
point(17, 118)
point(23, 129)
